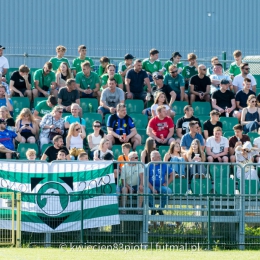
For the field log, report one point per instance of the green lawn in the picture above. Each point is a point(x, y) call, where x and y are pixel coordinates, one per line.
point(64, 254)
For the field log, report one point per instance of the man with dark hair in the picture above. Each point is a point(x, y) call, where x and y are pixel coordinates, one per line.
point(182, 126)
point(152, 64)
point(76, 64)
point(110, 98)
point(121, 128)
point(88, 82)
point(238, 139)
point(111, 69)
point(44, 107)
point(187, 139)
point(210, 124)
point(239, 79)
point(223, 99)
point(45, 81)
point(200, 85)
point(174, 60)
point(52, 151)
point(68, 95)
point(135, 80)
point(20, 83)
point(125, 65)
point(242, 96)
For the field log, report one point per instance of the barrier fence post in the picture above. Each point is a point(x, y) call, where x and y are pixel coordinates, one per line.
point(18, 220)
point(81, 220)
point(242, 211)
point(209, 223)
point(224, 57)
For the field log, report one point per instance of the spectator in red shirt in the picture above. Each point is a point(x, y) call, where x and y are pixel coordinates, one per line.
point(161, 127)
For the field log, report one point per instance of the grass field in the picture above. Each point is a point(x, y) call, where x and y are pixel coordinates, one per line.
point(69, 254)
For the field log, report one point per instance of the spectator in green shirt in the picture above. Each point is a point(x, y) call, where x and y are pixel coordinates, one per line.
point(191, 69)
point(44, 107)
point(82, 49)
point(234, 68)
point(111, 68)
point(102, 69)
point(56, 61)
point(125, 65)
point(174, 60)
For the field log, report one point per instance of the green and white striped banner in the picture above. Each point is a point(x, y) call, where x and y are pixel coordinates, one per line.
point(60, 197)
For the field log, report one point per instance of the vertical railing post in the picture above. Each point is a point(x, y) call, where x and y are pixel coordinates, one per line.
point(18, 220)
point(209, 223)
point(242, 210)
point(81, 219)
point(224, 57)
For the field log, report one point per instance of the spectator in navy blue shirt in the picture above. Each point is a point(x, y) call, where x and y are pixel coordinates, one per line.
point(121, 128)
point(7, 139)
point(242, 96)
point(135, 80)
point(160, 176)
point(187, 139)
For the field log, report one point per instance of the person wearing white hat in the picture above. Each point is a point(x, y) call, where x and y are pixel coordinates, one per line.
point(244, 155)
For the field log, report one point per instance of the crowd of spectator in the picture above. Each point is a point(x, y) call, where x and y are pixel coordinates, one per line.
point(159, 86)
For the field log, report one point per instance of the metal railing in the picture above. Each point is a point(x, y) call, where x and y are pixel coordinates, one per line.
point(215, 210)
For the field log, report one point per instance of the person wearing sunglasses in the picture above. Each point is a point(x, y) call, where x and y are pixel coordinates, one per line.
point(74, 140)
point(200, 85)
point(95, 137)
point(132, 177)
point(239, 79)
point(52, 124)
point(44, 81)
point(7, 141)
point(176, 82)
point(250, 119)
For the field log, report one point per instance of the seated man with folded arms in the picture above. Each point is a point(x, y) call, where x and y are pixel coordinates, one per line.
point(217, 147)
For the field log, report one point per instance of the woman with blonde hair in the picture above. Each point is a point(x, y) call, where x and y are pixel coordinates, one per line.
point(74, 139)
point(5, 114)
point(196, 154)
point(174, 155)
point(63, 73)
point(27, 126)
point(250, 118)
point(150, 146)
point(103, 150)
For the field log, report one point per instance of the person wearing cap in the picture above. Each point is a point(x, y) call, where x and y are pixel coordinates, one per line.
point(244, 155)
point(242, 97)
point(44, 107)
point(45, 81)
point(76, 64)
point(217, 76)
point(20, 83)
point(200, 86)
point(135, 80)
point(152, 64)
point(210, 124)
point(176, 82)
point(174, 60)
point(223, 99)
point(239, 79)
point(111, 69)
point(238, 139)
point(161, 127)
point(4, 65)
point(7, 140)
point(132, 177)
point(166, 89)
point(4, 100)
point(217, 147)
point(191, 69)
point(125, 65)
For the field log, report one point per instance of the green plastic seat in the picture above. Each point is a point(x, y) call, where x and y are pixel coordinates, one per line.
point(142, 133)
point(140, 120)
point(251, 187)
point(9, 74)
point(90, 118)
point(37, 100)
point(139, 149)
point(178, 107)
point(23, 147)
point(32, 71)
point(176, 118)
point(226, 186)
point(219, 171)
point(19, 103)
point(228, 123)
point(89, 105)
point(201, 108)
point(252, 136)
point(117, 150)
point(228, 134)
point(200, 186)
point(179, 186)
point(134, 106)
point(163, 149)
